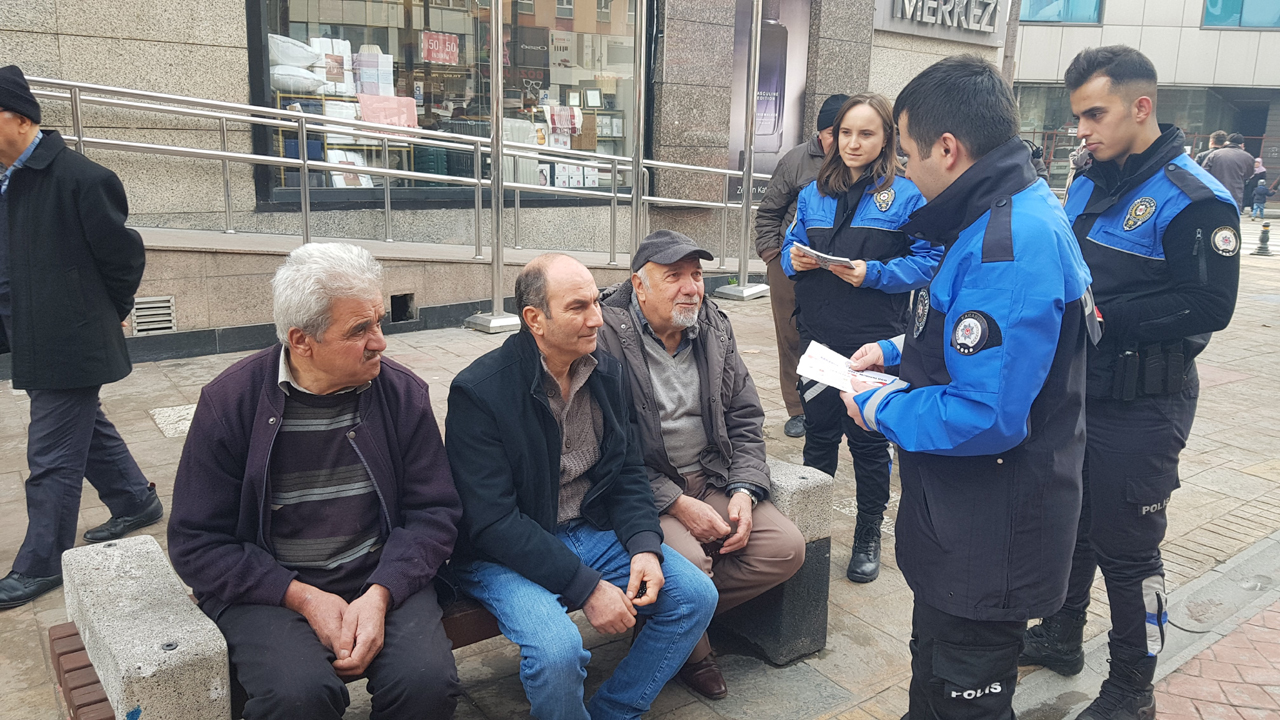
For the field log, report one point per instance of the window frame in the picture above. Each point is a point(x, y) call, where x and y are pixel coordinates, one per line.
point(562, 5)
point(1102, 13)
point(1233, 28)
point(604, 11)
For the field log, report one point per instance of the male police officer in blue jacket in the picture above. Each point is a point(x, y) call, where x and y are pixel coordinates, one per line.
point(1161, 237)
point(988, 412)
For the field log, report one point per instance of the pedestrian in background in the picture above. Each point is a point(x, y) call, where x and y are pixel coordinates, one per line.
point(795, 171)
point(1260, 194)
point(68, 271)
point(1259, 177)
point(1232, 165)
point(854, 210)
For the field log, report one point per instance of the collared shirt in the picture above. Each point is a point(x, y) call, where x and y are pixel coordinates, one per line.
point(581, 429)
point(286, 380)
point(22, 160)
point(686, 339)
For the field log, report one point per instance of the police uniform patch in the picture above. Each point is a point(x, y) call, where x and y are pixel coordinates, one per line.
point(974, 331)
point(1225, 241)
point(1142, 210)
point(884, 199)
point(922, 310)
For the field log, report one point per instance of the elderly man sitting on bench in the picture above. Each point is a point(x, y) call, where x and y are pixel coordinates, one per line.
point(314, 505)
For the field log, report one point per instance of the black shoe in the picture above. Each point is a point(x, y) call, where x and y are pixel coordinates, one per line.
point(794, 426)
point(118, 527)
point(864, 566)
point(17, 589)
point(1127, 693)
point(1056, 643)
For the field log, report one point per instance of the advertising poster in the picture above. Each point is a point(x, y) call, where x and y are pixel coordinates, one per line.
point(780, 98)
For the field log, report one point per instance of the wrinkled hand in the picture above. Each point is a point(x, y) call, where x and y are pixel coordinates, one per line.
point(646, 570)
point(854, 275)
point(868, 357)
point(740, 514)
point(701, 520)
point(609, 610)
point(363, 625)
point(323, 611)
point(800, 261)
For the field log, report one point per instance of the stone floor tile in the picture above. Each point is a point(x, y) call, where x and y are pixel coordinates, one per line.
point(1216, 711)
point(1269, 650)
point(1261, 633)
point(891, 704)
point(37, 702)
point(1259, 676)
point(860, 657)
point(1195, 688)
point(1256, 714)
point(1214, 670)
point(1242, 695)
point(1241, 656)
point(1174, 705)
point(22, 664)
point(1237, 638)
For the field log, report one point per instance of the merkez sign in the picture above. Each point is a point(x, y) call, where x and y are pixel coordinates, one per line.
point(980, 22)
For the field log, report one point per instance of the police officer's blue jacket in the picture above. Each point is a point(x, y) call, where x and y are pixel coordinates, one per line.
point(830, 310)
point(988, 412)
point(1161, 237)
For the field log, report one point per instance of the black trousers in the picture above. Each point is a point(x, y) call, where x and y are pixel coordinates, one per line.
point(288, 675)
point(826, 422)
point(962, 669)
point(1130, 473)
point(71, 440)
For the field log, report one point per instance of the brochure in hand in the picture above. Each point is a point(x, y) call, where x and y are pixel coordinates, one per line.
point(825, 261)
point(822, 364)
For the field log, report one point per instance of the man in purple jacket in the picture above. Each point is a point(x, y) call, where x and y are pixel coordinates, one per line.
point(314, 505)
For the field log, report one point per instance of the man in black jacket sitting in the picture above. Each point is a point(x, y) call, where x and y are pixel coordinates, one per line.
point(557, 509)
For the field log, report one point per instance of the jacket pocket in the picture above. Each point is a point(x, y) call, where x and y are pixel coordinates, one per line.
point(1151, 493)
point(976, 681)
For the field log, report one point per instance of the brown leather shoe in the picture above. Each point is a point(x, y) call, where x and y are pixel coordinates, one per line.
point(704, 678)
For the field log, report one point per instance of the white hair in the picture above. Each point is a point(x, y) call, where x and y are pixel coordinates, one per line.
point(315, 275)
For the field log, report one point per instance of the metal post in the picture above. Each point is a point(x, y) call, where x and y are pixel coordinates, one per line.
point(497, 320)
point(76, 127)
point(638, 78)
point(724, 226)
point(386, 191)
point(475, 166)
point(304, 180)
point(644, 209)
point(1263, 240)
point(744, 291)
point(613, 212)
point(226, 178)
point(515, 216)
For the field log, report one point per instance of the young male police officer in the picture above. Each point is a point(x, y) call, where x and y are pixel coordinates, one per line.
point(988, 411)
point(1161, 237)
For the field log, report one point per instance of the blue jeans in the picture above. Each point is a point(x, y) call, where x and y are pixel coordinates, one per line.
point(1259, 209)
point(553, 663)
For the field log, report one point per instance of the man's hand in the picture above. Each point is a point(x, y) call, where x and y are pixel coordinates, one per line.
point(852, 407)
point(646, 571)
point(739, 513)
point(854, 275)
point(868, 357)
point(608, 609)
point(363, 625)
point(800, 261)
point(323, 611)
point(701, 520)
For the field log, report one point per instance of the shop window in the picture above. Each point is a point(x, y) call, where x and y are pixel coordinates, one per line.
point(425, 64)
point(564, 8)
point(1242, 13)
point(1062, 11)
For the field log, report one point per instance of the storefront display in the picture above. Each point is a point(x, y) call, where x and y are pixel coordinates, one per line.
point(567, 84)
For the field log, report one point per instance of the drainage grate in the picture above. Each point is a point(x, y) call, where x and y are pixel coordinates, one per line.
point(153, 315)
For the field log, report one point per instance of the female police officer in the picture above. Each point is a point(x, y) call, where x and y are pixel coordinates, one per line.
point(853, 210)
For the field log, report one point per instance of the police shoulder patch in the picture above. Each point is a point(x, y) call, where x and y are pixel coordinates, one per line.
point(922, 310)
point(1142, 210)
point(975, 331)
point(1226, 241)
point(884, 199)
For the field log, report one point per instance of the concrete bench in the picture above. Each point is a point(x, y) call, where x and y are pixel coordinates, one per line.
point(146, 650)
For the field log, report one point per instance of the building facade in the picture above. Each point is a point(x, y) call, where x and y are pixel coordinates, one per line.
point(1213, 58)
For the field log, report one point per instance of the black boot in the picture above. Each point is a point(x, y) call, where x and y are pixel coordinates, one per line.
point(1127, 693)
point(1056, 643)
point(864, 566)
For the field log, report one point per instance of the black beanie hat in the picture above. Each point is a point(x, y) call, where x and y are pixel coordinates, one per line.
point(830, 106)
point(15, 94)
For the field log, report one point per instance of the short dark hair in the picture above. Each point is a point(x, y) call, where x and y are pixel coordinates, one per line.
point(531, 286)
point(963, 95)
point(1218, 137)
point(1121, 63)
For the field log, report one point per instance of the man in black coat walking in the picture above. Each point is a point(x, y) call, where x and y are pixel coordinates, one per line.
point(68, 271)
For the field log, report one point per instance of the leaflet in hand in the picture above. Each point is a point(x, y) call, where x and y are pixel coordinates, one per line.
point(825, 261)
point(822, 364)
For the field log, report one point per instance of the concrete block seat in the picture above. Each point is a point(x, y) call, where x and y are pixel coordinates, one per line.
point(138, 645)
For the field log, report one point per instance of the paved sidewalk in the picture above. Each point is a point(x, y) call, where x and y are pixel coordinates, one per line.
point(1230, 498)
point(1238, 678)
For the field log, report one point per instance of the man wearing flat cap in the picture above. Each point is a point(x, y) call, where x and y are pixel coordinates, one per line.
point(68, 271)
point(701, 429)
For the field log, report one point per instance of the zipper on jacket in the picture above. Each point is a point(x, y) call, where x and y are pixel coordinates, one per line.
point(1199, 250)
point(386, 514)
point(266, 484)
